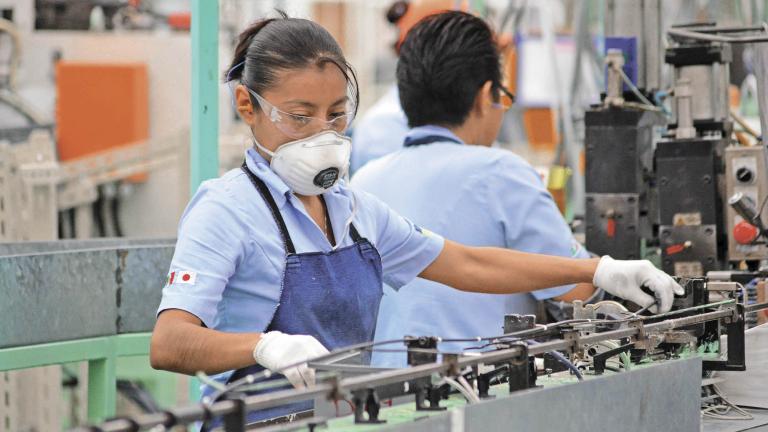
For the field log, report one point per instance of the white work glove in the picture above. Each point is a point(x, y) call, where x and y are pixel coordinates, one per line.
point(276, 350)
point(624, 279)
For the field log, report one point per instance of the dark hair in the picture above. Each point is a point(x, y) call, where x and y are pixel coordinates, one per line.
point(270, 45)
point(444, 61)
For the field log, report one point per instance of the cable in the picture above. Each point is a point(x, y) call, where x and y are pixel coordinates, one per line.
point(252, 378)
point(743, 123)
point(266, 373)
point(720, 410)
point(561, 358)
point(634, 89)
point(471, 397)
point(463, 381)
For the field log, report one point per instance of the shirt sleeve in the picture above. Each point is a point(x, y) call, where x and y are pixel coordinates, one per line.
point(405, 248)
point(530, 217)
point(209, 247)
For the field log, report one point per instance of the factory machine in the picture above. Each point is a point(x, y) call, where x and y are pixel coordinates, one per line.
point(604, 369)
point(677, 186)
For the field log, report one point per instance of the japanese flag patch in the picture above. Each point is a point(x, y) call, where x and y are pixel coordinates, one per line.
point(182, 277)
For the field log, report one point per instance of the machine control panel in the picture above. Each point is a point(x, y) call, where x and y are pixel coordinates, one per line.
point(745, 173)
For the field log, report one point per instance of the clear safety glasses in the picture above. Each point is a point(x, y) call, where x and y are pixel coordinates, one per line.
point(299, 126)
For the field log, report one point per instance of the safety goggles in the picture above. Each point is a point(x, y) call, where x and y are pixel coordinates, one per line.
point(299, 126)
point(506, 99)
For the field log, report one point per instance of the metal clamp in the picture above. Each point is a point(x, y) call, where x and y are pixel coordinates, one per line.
point(367, 401)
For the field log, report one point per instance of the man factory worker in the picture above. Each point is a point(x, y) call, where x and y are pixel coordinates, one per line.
point(279, 261)
point(381, 129)
point(447, 178)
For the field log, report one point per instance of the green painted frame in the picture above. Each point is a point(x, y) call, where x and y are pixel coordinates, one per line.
point(204, 146)
point(101, 353)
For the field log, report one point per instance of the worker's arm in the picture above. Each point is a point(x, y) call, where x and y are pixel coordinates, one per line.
point(504, 271)
point(180, 343)
point(582, 291)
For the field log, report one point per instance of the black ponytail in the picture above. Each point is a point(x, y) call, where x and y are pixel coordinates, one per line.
point(270, 45)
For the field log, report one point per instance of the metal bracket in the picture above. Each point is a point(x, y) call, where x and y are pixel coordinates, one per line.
point(734, 328)
point(428, 392)
point(416, 358)
point(236, 419)
point(518, 374)
point(574, 337)
point(367, 401)
point(641, 338)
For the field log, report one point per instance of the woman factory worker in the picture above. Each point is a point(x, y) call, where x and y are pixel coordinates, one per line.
point(279, 261)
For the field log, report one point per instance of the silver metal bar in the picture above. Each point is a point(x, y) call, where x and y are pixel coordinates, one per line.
point(191, 413)
point(723, 29)
point(715, 38)
point(378, 379)
point(756, 307)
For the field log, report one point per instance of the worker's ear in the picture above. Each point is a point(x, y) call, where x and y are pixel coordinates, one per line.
point(243, 105)
point(484, 99)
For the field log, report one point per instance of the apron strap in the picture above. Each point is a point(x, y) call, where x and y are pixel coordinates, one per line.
point(356, 237)
point(264, 191)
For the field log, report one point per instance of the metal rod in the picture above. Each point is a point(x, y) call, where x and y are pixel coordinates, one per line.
point(756, 307)
point(197, 412)
point(710, 29)
point(377, 379)
point(715, 38)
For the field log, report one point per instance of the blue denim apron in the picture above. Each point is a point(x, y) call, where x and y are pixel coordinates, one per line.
point(333, 296)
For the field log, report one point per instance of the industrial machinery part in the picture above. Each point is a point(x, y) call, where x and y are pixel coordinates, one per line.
point(654, 339)
point(746, 179)
point(690, 213)
point(614, 83)
point(704, 68)
point(619, 161)
point(639, 21)
point(671, 192)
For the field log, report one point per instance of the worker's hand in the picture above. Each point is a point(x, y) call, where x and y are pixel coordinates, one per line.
point(625, 278)
point(276, 350)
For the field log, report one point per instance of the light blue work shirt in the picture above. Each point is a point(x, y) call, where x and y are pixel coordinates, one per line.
point(230, 249)
point(474, 195)
point(380, 131)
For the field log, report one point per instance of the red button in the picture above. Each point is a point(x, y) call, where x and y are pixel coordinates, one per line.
point(674, 249)
point(745, 233)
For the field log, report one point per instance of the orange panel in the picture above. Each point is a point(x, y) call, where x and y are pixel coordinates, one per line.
point(540, 128)
point(100, 107)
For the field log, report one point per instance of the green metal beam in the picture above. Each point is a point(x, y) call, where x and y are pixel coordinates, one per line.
point(204, 150)
point(102, 389)
point(101, 354)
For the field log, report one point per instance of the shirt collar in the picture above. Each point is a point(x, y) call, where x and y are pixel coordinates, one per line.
point(432, 130)
point(261, 169)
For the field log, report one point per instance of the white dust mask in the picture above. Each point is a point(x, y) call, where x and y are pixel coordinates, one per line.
point(311, 165)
